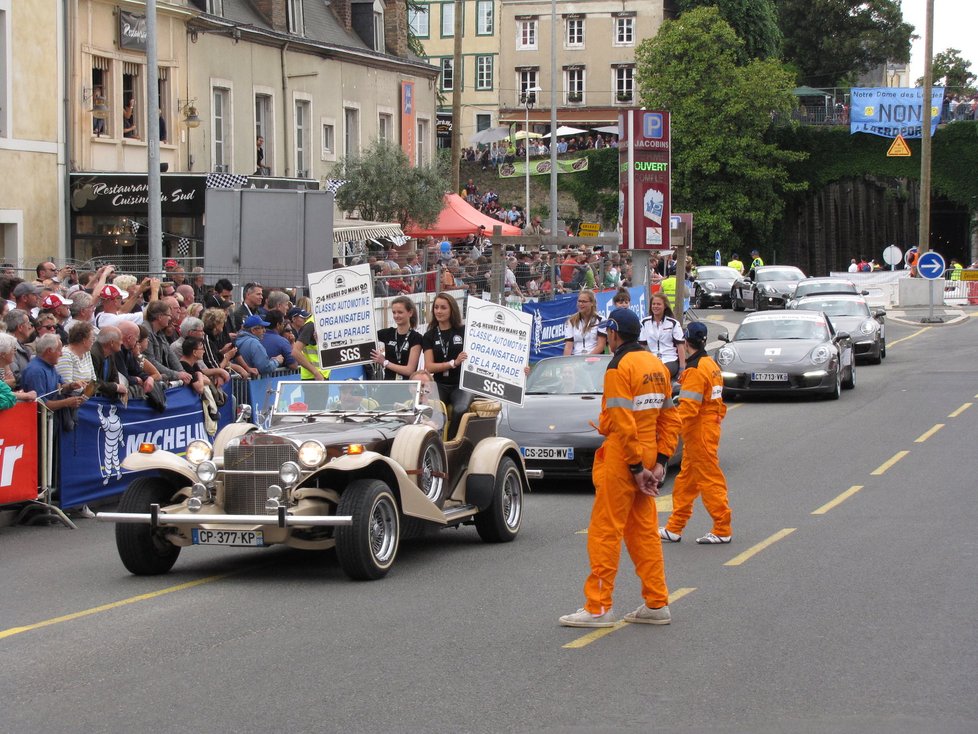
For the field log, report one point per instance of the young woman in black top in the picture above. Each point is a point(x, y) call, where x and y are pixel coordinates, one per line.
point(443, 356)
point(401, 343)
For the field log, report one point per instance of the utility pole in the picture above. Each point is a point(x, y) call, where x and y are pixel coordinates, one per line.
point(155, 208)
point(923, 233)
point(553, 118)
point(457, 101)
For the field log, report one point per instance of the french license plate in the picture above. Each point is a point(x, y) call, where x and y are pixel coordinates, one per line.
point(544, 452)
point(253, 538)
point(769, 376)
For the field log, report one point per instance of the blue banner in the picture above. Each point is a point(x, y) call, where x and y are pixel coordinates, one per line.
point(105, 433)
point(892, 111)
point(549, 317)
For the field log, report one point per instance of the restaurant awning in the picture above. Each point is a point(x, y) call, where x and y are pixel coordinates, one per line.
point(358, 230)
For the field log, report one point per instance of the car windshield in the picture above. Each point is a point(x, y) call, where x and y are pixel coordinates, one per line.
point(770, 276)
point(716, 273)
point(568, 375)
point(840, 307)
point(352, 397)
point(839, 286)
point(782, 328)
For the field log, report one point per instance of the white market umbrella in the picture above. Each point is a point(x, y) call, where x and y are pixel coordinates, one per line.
point(610, 129)
point(564, 130)
point(489, 135)
point(523, 134)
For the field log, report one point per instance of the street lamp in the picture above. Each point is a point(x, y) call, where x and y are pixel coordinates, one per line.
point(529, 99)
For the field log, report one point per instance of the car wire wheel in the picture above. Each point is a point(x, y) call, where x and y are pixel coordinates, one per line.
point(501, 520)
point(383, 530)
point(432, 471)
point(367, 547)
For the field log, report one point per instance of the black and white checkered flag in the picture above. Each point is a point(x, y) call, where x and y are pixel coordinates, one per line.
point(134, 226)
point(226, 181)
point(183, 247)
point(335, 184)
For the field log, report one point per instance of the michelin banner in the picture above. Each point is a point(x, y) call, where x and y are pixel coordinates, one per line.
point(549, 317)
point(541, 167)
point(105, 433)
point(892, 111)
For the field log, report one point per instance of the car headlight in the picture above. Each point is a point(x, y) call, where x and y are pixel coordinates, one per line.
point(725, 355)
point(868, 326)
point(198, 451)
point(289, 473)
point(311, 454)
point(821, 354)
point(207, 471)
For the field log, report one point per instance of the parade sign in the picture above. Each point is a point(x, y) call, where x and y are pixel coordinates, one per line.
point(18, 453)
point(497, 342)
point(892, 111)
point(645, 178)
point(343, 309)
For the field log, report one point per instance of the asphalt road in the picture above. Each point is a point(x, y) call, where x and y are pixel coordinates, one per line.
point(845, 603)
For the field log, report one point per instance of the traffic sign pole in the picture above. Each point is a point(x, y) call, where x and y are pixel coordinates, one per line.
point(931, 265)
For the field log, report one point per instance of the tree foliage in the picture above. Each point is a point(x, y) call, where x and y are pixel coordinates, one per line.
point(831, 42)
point(754, 21)
point(950, 70)
point(384, 187)
point(724, 169)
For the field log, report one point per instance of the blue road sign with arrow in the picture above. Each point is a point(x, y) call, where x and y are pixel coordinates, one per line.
point(716, 258)
point(931, 265)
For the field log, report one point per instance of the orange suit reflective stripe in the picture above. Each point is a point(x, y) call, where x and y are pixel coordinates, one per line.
point(701, 410)
point(640, 426)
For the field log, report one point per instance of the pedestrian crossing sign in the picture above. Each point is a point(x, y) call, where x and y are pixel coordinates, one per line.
point(899, 149)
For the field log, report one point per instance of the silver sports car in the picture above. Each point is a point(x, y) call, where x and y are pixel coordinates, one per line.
point(787, 352)
point(852, 314)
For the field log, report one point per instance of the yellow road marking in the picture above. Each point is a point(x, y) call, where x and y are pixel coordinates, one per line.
point(113, 605)
point(735, 405)
point(604, 631)
point(754, 550)
point(888, 463)
point(838, 500)
point(960, 410)
point(911, 336)
point(927, 434)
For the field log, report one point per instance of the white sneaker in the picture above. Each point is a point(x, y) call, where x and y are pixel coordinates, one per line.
point(584, 618)
point(645, 615)
point(671, 537)
point(711, 539)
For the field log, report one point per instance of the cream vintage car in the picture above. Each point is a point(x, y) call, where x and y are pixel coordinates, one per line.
point(351, 465)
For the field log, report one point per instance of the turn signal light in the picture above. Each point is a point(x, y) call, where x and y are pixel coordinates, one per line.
point(147, 448)
point(355, 448)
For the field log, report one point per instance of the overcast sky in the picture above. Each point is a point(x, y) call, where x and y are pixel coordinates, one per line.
point(955, 26)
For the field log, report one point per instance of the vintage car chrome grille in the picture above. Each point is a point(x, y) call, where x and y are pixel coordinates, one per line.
point(245, 494)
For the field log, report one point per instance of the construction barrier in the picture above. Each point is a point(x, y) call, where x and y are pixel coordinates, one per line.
point(19, 450)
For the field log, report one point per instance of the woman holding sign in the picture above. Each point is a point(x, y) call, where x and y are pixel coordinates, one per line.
point(401, 343)
point(443, 346)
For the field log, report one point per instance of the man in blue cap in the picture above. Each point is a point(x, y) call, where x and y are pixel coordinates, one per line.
point(640, 427)
point(251, 349)
point(701, 410)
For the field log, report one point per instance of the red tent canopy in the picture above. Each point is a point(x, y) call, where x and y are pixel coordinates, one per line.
point(459, 219)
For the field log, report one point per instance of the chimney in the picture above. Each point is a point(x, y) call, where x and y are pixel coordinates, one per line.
point(343, 13)
point(396, 28)
point(274, 12)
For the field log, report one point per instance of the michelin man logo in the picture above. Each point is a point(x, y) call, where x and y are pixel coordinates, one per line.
point(112, 431)
point(537, 329)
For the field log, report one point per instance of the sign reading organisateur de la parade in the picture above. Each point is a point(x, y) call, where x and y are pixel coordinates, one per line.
point(497, 342)
point(343, 311)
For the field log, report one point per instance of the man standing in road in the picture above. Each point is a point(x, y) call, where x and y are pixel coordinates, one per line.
point(640, 428)
point(755, 263)
point(701, 410)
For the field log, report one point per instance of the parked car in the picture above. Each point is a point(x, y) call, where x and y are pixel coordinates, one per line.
point(851, 313)
point(555, 426)
point(826, 286)
point(785, 352)
point(712, 286)
point(771, 287)
point(350, 465)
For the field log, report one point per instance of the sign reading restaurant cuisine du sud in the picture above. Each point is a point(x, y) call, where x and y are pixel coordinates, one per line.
point(645, 178)
point(497, 345)
point(343, 311)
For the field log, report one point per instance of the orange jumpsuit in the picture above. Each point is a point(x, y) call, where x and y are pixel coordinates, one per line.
point(701, 410)
point(641, 428)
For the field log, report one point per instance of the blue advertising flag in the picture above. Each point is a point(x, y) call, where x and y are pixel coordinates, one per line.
point(105, 433)
point(892, 111)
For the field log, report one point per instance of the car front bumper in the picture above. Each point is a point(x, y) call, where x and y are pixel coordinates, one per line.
point(812, 380)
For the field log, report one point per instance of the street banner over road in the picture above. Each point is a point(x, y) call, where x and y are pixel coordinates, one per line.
point(892, 111)
point(497, 342)
point(343, 310)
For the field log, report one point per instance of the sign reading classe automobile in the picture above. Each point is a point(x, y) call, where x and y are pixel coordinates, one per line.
point(645, 176)
point(497, 345)
point(343, 310)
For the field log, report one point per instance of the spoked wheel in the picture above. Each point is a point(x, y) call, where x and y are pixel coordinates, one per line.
point(144, 551)
point(432, 470)
point(367, 548)
point(500, 522)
